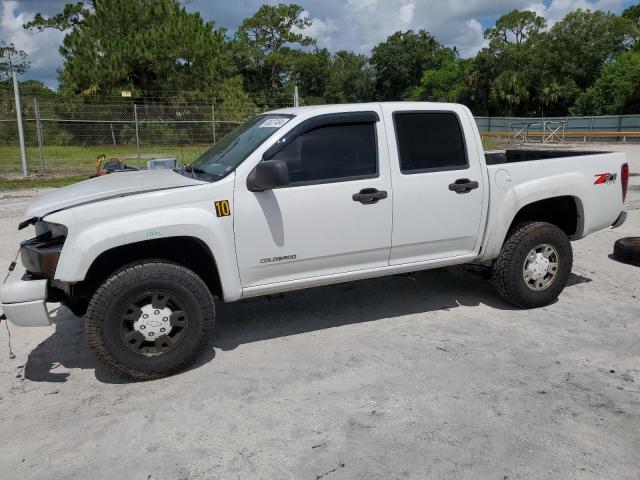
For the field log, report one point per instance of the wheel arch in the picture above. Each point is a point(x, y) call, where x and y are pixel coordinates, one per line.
point(188, 251)
point(563, 211)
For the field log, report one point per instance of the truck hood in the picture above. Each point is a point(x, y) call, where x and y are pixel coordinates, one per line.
point(106, 187)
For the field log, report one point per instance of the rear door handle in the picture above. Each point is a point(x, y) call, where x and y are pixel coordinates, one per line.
point(463, 185)
point(368, 196)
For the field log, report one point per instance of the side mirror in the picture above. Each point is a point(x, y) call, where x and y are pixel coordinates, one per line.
point(267, 175)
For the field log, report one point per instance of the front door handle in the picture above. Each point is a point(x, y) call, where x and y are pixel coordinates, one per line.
point(368, 196)
point(463, 185)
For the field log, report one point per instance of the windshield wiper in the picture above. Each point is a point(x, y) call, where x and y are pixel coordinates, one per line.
point(192, 170)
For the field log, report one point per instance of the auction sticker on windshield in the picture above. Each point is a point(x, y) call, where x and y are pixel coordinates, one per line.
point(274, 122)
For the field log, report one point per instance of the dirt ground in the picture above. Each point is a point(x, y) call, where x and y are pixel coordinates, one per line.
point(422, 376)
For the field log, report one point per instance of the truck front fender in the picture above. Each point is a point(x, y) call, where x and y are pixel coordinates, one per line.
point(86, 243)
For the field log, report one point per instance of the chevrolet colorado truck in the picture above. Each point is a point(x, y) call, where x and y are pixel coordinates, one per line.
point(297, 198)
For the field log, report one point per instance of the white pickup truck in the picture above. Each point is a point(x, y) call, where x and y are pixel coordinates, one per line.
point(297, 198)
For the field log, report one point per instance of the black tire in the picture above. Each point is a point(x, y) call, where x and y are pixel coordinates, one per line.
point(108, 319)
point(627, 250)
point(508, 268)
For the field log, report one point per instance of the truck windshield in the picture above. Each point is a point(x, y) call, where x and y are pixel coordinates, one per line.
point(223, 157)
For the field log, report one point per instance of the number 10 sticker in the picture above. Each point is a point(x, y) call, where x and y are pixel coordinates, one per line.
point(222, 208)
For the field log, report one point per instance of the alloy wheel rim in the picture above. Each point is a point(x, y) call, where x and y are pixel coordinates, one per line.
point(540, 267)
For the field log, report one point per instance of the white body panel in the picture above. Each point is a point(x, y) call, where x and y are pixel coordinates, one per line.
point(329, 237)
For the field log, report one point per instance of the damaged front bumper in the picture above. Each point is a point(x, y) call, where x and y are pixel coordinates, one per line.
point(23, 299)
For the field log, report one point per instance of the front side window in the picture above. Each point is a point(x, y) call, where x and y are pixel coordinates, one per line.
point(332, 153)
point(429, 141)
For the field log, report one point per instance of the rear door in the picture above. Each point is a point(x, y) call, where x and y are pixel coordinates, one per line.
point(334, 217)
point(438, 185)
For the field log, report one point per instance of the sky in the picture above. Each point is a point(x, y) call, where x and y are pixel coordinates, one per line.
point(356, 25)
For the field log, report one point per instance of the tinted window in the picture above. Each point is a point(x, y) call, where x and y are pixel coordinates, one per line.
point(429, 141)
point(331, 153)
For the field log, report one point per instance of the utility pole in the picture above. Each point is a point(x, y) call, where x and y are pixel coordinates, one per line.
point(296, 97)
point(135, 119)
point(36, 111)
point(23, 150)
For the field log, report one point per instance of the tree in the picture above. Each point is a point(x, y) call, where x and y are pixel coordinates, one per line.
point(555, 96)
point(401, 60)
point(631, 17)
point(582, 43)
point(480, 74)
point(308, 70)
point(232, 102)
point(511, 89)
point(143, 46)
point(444, 84)
point(350, 78)
point(12, 59)
point(72, 16)
point(617, 90)
point(268, 34)
point(515, 27)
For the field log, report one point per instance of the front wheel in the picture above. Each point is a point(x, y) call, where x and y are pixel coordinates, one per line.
point(534, 265)
point(150, 319)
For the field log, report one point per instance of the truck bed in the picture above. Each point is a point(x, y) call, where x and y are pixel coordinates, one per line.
point(496, 157)
point(516, 181)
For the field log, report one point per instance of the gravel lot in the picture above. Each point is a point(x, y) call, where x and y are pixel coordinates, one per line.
point(423, 376)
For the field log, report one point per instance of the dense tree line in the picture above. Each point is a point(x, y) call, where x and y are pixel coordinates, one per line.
point(587, 63)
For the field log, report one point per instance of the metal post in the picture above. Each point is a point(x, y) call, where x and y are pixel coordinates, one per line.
point(213, 121)
point(296, 98)
point(135, 118)
point(23, 150)
point(36, 111)
point(620, 125)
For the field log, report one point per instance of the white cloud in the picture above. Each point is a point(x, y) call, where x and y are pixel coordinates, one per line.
point(406, 13)
point(321, 30)
point(361, 24)
point(41, 48)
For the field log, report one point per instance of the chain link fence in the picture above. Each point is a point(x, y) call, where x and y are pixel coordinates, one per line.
point(66, 136)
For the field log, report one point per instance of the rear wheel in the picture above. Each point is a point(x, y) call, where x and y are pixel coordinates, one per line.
point(150, 319)
point(534, 265)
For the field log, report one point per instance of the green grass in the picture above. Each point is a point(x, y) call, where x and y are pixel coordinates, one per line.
point(76, 160)
point(489, 143)
point(39, 182)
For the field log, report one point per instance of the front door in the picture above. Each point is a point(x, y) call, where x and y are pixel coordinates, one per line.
point(334, 217)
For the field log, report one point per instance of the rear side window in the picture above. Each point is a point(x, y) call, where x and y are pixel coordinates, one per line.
point(429, 142)
point(332, 153)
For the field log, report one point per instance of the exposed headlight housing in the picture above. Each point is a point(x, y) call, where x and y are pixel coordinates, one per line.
point(40, 254)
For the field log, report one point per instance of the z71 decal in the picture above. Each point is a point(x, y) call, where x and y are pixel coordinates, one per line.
point(222, 208)
point(605, 178)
